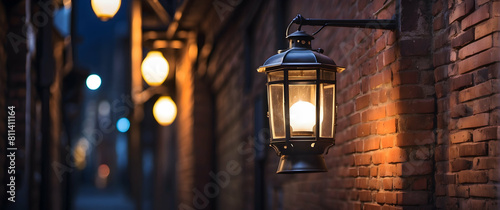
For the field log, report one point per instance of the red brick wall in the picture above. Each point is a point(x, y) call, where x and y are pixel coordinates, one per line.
point(466, 56)
point(417, 107)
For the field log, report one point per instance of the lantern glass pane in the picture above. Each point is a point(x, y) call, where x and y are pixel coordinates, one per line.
point(275, 76)
point(309, 74)
point(276, 111)
point(327, 110)
point(302, 109)
point(327, 75)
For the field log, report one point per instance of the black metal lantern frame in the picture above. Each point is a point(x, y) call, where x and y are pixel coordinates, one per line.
point(301, 97)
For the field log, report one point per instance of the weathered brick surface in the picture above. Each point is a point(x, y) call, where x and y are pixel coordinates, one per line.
point(416, 119)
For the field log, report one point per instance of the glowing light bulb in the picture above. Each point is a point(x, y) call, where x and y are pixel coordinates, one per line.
point(105, 9)
point(302, 116)
point(154, 68)
point(165, 111)
point(93, 81)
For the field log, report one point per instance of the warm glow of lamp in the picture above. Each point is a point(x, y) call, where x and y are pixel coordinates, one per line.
point(302, 116)
point(154, 68)
point(165, 110)
point(105, 9)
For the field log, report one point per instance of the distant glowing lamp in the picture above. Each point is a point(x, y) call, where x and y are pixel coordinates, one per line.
point(123, 124)
point(93, 81)
point(154, 68)
point(105, 9)
point(165, 110)
point(301, 97)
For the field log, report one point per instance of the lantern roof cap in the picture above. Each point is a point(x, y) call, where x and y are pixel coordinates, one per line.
point(299, 55)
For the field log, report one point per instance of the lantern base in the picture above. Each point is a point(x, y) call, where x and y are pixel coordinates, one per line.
point(301, 164)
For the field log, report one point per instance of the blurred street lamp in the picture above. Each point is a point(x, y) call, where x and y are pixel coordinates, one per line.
point(154, 68)
point(105, 9)
point(301, 97)
point(165, 110)
point(93, 82)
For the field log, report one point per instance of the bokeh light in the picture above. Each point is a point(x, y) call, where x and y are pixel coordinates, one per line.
point(93, 81)
point(123, 124)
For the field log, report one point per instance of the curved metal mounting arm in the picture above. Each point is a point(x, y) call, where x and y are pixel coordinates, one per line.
point(385, 24)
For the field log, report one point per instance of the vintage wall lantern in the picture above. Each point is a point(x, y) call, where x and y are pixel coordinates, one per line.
point(105, 9)
point(301, 97)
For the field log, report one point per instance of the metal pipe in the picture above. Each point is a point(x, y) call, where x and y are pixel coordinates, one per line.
point(386, 24)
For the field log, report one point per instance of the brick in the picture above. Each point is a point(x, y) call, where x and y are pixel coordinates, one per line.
point(473, 121)
point(359, 146)
point(389, 56)
point(353, 172)
point(475, 47)
point(484, 190)
point(478, 60)
point(412, 198)
point(460, 164)
point(416, 168)
point(371, 143)
point(488, 27)
point(407, 92)
point(418, 106)
point(365, 195)
point(438, 22)
point(469, 176)
point(460, 110)
point(477, 16)
point(380, 197)
point(362, 102)
point(361, 183)
point(391, 198)
point(481, 163)
point(414, 138)
point(461, 81)
point(481, 105)
point(461, 136)
point(461, 10)
point(373, 171)
point(387, 183)
point(458, 191)
point(494, 175)
point(416, 122)
point(463, 39)
point(441, 57)
point(387, 126)
point(483, 89)
point(473, 149)
point(363, 129)
point(487, 133)
point(415, 47)
point(387, 141)
point(441, 73)
point(362, 159)
point(374, 184)
point(371, 206)
point(420, 184)
point(495, 9)
point(387, 170)
point(396, 155)
point(378, 157)
point(399, 183)
point(364, 171)
point(373, 113)
point(355, 119)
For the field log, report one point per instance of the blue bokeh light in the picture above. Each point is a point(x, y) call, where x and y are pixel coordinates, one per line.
point(123, 124)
